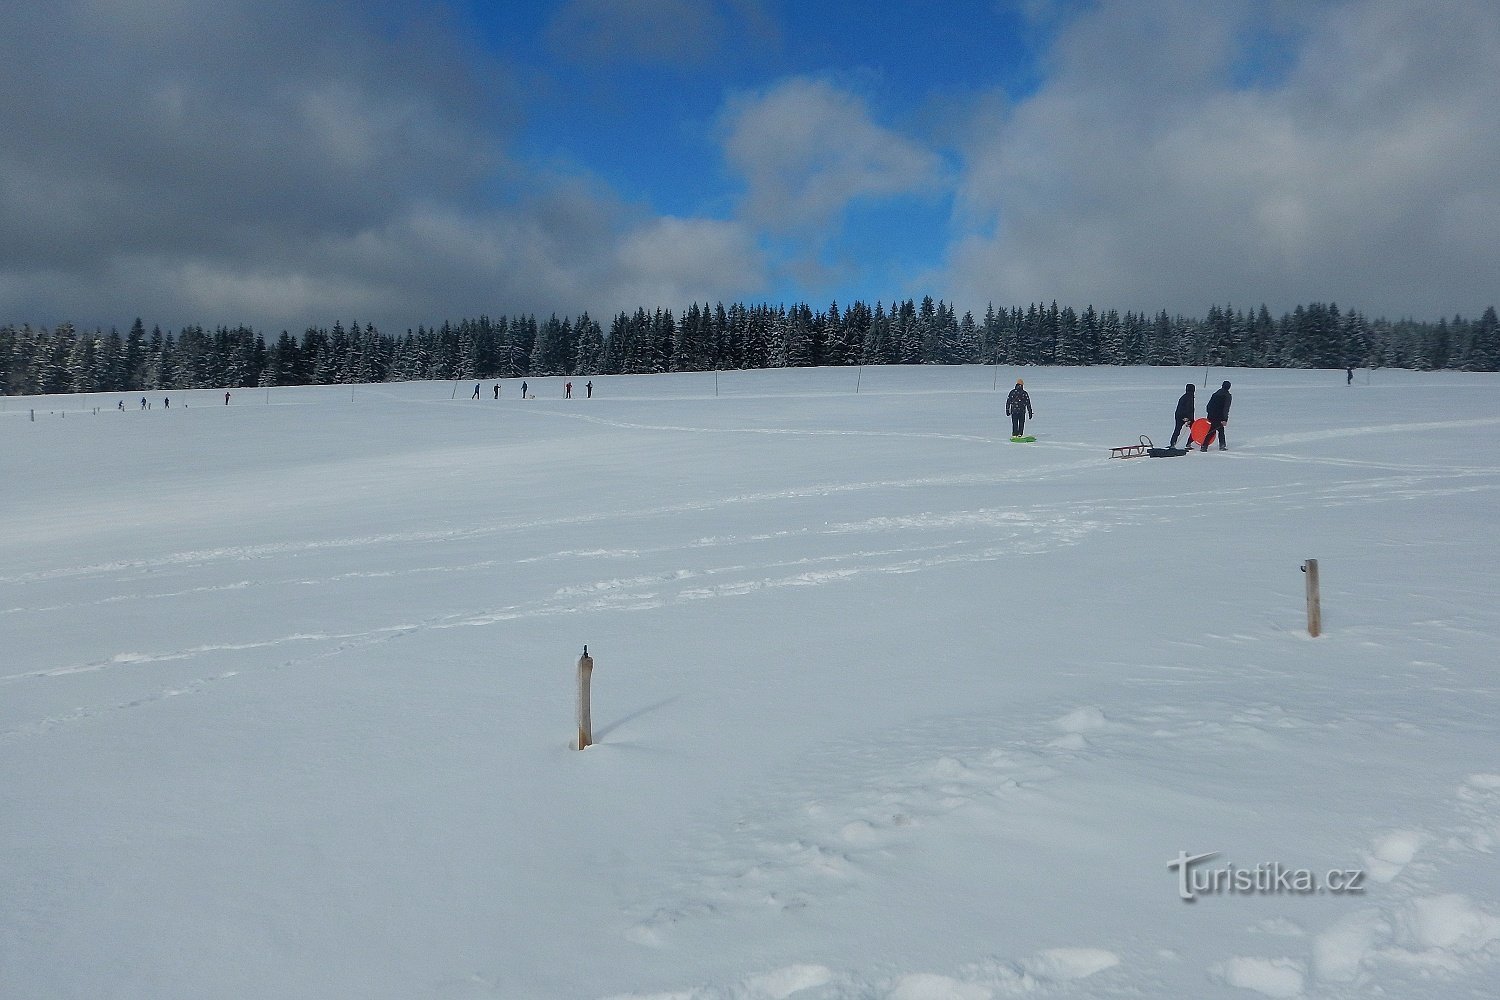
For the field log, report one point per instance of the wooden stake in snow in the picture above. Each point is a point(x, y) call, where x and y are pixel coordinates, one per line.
point(1314, 602)
point(585, 673)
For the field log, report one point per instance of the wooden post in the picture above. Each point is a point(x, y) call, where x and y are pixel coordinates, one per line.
point(1314, 602)
point(585, 673)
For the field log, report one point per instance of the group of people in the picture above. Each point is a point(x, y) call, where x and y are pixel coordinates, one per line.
point(166, 402)
point(1216, 412)
point(525, 389)
point(1018, 408)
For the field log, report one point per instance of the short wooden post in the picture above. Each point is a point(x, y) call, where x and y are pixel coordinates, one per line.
point(585, 674)
point(1314, 602)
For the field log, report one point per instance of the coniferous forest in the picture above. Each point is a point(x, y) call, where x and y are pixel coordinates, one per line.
point(704, 338)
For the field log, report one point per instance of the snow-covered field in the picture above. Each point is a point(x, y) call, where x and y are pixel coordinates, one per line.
point(886, 706)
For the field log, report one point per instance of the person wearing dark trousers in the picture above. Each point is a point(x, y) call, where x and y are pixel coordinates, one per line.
point(1018, 408)
point(497, 390)
point(1183, 416)
point(589, 389)
point(1349, 375)
point(1217, 413)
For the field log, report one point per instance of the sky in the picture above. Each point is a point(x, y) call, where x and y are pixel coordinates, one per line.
point(286, 163)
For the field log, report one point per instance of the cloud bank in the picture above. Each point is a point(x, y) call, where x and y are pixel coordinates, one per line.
point(1144, 175)
point(286, 163)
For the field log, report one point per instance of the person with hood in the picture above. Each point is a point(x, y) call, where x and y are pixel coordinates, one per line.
point(1217, 413)
point(1018, 408)
point(1184, 416)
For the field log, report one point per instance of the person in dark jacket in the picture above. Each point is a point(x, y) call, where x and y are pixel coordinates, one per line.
point(1183, 416)
point(1018, 408)
point(1217, 413)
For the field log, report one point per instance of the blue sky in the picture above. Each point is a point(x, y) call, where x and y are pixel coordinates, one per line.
point(292, 162)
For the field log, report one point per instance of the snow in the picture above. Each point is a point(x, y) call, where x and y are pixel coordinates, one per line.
point(885, 706)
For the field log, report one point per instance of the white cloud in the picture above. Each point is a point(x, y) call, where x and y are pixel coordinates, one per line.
point(673, 261)
point(1141, 177)
point(807, 149)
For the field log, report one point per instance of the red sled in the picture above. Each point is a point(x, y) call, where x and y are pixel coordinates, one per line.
point(1201, 433)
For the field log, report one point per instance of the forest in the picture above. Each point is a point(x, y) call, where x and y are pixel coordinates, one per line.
point(703, 338)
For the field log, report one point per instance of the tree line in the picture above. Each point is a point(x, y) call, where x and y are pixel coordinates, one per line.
point(704, 338)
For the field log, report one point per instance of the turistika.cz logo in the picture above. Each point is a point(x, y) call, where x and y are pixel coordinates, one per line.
point(1195, 879)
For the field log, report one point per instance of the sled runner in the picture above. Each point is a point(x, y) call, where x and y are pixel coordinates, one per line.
point(1023, 439)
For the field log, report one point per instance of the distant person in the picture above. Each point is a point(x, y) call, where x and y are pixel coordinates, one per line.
point(589, 390)
point(166, 403)
point(1183, 416)
point(567, 390)
point(1217, 413)
point(476, 391)
point(523, 390)
point(1349, 375)
point(143, 402)
point(1018, 408)
point(226, 399)
point(122, 404)
point(497, 390)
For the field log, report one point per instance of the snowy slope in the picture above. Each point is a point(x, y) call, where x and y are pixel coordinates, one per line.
point(886, 705)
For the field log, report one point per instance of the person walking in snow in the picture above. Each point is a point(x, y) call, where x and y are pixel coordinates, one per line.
point(523, 390)
point(476, 391)
point(497, 390)
point(1349, 375)
point(1018, 408)
point(1183, 416)
point(226, 399)
point(589, 389)
point(1217, 413)
point(568, 390)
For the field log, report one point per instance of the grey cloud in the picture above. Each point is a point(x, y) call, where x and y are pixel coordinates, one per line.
point(286, 163)
point(682, 32)
point(1145, 179)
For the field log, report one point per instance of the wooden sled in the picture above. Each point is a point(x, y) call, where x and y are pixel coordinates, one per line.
point(1132, 450)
